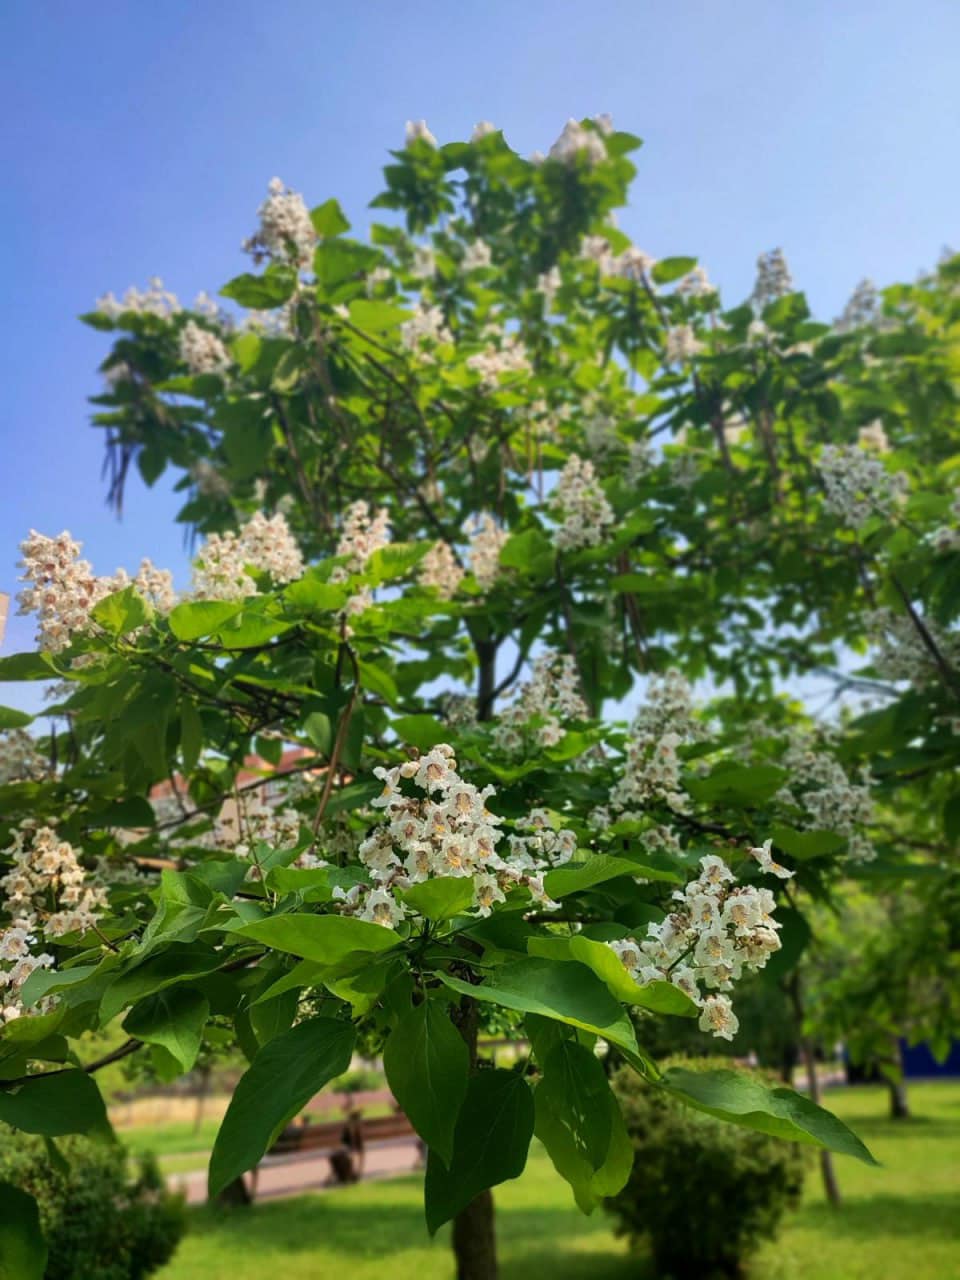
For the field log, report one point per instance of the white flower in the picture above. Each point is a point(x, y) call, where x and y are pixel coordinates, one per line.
point(773, 279)
point(202, 351)
point(767, 863)
point(426, 325)
point(439, 569)
point(576, 141)
point(873, 437)
point(482, 129)
point(285, 230)
point(486, 542)
point(154, 301)
point(682, 344)
point(221, 568)
point(417, 131)
point(717, 1016)
point(859, 486)
point(476, 256)
point(580, 507)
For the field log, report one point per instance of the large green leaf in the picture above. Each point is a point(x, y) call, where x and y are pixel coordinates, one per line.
point(427, 1065)
point(60, 1102)
point(197, 618)
point(27, 666)
point(595, 870)
point(280, 1081)
point(420, 731)
point(659, 997)
point(733, 1096)
point(177, 963)
point(442, 897)
point(325, 939)
point(11, 718)
point(578, 1120)
point(173, 1019)
point(490, 1145)
point(561, 989)
point(23, 1250)
point(121, 611)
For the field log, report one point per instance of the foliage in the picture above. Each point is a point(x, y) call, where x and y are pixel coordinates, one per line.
point(99, 1222)
point(498, 439)
point(702, 1193)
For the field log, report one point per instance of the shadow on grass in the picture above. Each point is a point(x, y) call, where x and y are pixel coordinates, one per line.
point(935, 1215)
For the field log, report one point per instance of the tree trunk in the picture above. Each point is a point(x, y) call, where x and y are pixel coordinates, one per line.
point(831, 1188)
point(235, 1194)
point(202, 1090)
point(899, 1105)
point(474, 1235)
point(486, 677)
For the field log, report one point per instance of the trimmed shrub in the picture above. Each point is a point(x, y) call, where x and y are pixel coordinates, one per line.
point(100, 1222)
point(702, 1194)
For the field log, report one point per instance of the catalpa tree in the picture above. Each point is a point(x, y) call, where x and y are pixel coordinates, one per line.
point(457, 489)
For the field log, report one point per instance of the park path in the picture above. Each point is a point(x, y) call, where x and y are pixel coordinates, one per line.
point(292, 1179)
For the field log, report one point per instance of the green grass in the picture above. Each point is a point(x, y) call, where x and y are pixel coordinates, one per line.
point(899, 1222)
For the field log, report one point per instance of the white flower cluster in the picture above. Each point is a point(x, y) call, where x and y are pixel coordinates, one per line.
point(719, 930)
point(458, 710)
point(20, 761)
point(862, 310)
point(202, 351)
point(652, 770)
point(439, 569)
point(424, 266)
point(773, 279)
point(447, 830)
point(857, 485)
point(551, 695)
point(696, 284)
point(873, 436)
point(899, 651)
point(482, 129)
point(947, 537)
point(154, 301)
point(829, 801)
point(250, 820)
point(362, 535)
point(44, 892)
point(576, 141)
point(549, 283)
point(426, 325)
point(506, 354)
point(285, 230)
point(377, 277)
point(264, 543)
point(580, 507)
point(486, 542)
point(155, 585)
point(61, 590)
point(631, 264)
point(682, 344)
point(477, 256)
point(417, 131)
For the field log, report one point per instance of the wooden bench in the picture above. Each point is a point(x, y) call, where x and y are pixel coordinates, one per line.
point(343, 1142)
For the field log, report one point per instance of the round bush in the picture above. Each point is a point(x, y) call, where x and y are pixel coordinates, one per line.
point(702, 1194)
point(100, 1222)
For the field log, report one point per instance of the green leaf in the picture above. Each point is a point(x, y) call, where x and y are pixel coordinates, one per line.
point(264, 292)
point(490, 1145)
point(595, 870)
point(578, 1120)
point(27, 666)
point(174, 1020)
point(23, 1250)
point(122, 611)
point(325, 939)
point(328, 219)
point(197, 618)
point(60, 1102)
point(11, 718)
point(178, 962)
point(737, 1098)
point(191, 734)
point(427, 1065)
point(806, 844)
point(441, 898)
point(376, 316)
point(659, 997)
point(669, 269)
point(420, 731)
point(281, 1080)
point(530, 553)
point(564, 990)
point(738, 784)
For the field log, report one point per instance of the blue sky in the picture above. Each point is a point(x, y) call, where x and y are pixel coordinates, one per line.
point(140, 138)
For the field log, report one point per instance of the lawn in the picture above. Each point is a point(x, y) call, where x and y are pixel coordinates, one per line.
point(899, 1222)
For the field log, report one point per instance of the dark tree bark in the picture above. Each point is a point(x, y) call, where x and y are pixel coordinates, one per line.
point(236, 1194)
point(831, 1188)
point(474, 1232)
point(899, 1104)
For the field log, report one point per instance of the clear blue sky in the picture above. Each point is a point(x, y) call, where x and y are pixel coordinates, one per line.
point(140, 138)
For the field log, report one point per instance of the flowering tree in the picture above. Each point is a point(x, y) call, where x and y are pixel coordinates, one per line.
point(497, 449)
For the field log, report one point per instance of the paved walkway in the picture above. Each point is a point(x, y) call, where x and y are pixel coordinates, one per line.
point(307, 1175)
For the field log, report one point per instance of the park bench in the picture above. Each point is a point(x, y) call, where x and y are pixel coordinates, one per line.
point(343, 1142)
